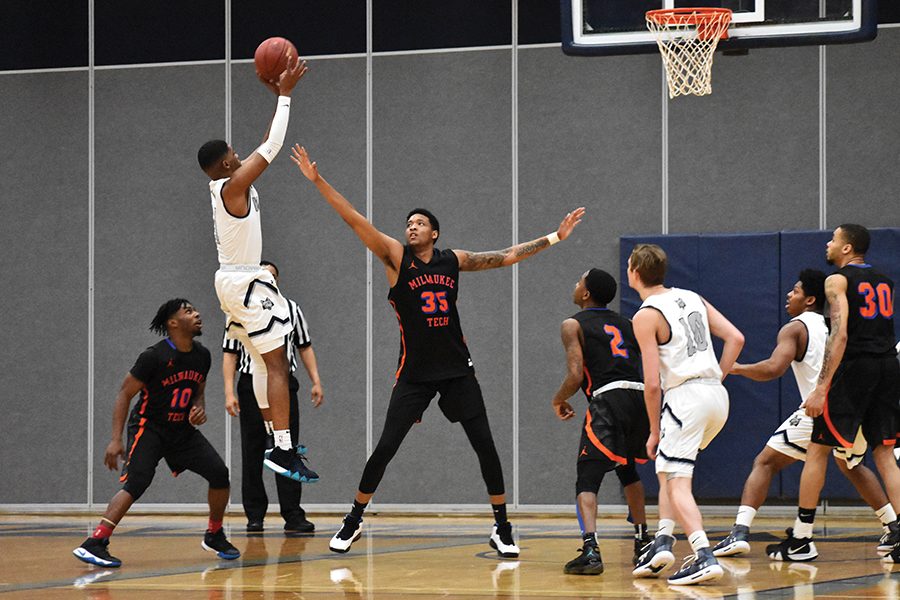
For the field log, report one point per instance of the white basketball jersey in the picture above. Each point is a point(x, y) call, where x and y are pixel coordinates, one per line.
point(807, 370)
point(238, 239)
point(689, 352)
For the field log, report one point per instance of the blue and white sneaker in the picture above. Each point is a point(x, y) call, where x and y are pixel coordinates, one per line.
point(219, 544)
point(697, 568)
point(735, 544)
point(656, 557)
point(288, 463)
point(95, 551)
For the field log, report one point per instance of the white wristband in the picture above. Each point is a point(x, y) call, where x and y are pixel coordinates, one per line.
point(553, 238)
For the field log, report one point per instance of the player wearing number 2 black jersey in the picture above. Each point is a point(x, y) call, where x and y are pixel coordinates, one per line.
point(673, 328)
point(171, 379)
point(858, 386)
point(604, 361)
point(433, 358)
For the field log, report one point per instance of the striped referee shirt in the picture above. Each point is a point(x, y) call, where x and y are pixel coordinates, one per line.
point(297, 338)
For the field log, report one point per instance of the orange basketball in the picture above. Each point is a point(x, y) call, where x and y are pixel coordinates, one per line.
point(271, 57)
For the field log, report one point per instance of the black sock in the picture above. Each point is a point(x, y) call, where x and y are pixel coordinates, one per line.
point(589, 538)
point(357, 510)
point(806, 515)
point(640, 531)
point(499, 513)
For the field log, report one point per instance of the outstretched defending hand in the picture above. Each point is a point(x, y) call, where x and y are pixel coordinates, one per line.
point(568, 224)
point(309, 169)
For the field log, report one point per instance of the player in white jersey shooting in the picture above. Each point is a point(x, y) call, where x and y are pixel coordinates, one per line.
point(800, 346)
point(256, 313)
point(673, 329)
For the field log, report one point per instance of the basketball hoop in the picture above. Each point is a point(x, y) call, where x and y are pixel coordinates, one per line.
point(687, 39)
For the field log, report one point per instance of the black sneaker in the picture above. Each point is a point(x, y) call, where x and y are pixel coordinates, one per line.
point(95, 551)
point(699, 567)
point(254, 526)
point(889, 539)
point(793, 549)
point(349, 532)
point(502, 540)
point(219, 544)
point(288, 463)
point(735, 543)
point(588, 563)
point(655, 557)
point(639, 545)
point(298, 526)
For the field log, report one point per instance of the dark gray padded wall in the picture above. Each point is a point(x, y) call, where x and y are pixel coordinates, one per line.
point(322, 265)
point(442, 142)
point(746, 158)
point(863, 132)
point(45, 272)
point(588, 136)
point(154, 237)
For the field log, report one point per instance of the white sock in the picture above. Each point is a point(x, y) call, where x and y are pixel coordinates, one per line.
point(886, 514)
point(745, 516)
point(802, 530)
point(698, 540)
point(666, 527)
point(283, 439)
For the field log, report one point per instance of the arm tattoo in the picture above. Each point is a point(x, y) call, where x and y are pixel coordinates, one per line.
point(477, 261)
point(829, 343)
point(532, 247)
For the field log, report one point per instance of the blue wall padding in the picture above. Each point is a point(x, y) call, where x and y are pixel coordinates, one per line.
point(746, 277)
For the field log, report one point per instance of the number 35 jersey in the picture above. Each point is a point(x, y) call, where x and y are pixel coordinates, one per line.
point(171, 379)
point(688, 353)
point(432, 346)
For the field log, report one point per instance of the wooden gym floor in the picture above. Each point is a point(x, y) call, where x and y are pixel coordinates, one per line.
point(421, 558)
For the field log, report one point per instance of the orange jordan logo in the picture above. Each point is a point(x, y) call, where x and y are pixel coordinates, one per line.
point(412, 265)
point(583, 451)
point(171, 364)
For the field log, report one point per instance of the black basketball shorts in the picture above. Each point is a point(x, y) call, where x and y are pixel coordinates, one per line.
point(615, 429)
point(460, 399)
point(864, 392)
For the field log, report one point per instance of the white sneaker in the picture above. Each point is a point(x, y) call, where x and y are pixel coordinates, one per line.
point(349, 532)
point(502, 541)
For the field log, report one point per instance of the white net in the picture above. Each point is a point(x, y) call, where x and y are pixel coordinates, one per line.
point(687, 39)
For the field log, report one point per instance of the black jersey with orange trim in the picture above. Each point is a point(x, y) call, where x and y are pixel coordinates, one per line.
point(171, 380)
point(432, 346)
point(870, 322)
point(610, 350)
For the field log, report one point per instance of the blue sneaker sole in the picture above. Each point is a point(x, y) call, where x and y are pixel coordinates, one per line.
point(222, 555)
point(85, 556)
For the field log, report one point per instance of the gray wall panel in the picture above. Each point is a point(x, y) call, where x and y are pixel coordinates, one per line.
point(442, 142)
point(588, 141)
point(322, 264)
point(154, 237)
point(746, 157)
point(864, 132)
point(45, 272)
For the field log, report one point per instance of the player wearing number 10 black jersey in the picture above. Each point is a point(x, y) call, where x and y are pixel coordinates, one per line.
point(434, 358)
point(171, 378)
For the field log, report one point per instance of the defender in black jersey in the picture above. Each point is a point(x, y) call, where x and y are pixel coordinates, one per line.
point(434, 358)
point(171, 378)
point(858, 386)
point(604, 361)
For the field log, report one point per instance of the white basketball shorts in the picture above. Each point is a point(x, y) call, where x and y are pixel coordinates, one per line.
point(692, 415)
point(792, 439)
point(255, 311)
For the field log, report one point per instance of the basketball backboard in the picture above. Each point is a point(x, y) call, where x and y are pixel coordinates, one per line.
point(592, 27)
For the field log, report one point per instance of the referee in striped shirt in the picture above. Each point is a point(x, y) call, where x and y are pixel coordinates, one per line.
point(254, 437)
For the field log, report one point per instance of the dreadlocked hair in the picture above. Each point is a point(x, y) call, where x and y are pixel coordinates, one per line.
point(165, 312)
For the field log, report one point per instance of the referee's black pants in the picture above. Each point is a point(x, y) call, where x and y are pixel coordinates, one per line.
point(253, 445)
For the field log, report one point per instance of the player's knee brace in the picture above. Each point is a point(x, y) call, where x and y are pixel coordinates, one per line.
point(627, 474)
point(590, 476)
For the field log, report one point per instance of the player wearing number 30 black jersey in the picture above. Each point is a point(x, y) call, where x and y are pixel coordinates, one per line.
point(434, 358)
point(171, 379)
